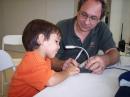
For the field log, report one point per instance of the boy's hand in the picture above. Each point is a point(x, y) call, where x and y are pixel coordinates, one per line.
point(72, 69)
point(68, 62)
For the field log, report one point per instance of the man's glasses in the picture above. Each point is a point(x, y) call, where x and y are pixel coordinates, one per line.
point(85, 16)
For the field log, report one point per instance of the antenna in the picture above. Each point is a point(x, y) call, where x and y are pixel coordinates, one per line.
point(121, 44)
point(121, 32)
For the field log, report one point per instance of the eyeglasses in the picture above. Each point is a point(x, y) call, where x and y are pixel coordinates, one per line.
point(85, 16)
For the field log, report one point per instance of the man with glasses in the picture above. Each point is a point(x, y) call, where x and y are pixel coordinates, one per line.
point(86, 30)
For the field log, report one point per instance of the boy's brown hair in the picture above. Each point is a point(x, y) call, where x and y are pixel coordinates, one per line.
point(33, 29)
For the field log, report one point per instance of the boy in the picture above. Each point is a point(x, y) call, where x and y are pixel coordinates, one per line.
point(41, 42)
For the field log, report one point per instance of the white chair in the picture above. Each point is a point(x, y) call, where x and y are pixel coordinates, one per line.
point(5, 63)
point(12, 40)
point(15, 41)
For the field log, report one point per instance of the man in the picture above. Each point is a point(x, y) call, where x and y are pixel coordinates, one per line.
point(86, 30)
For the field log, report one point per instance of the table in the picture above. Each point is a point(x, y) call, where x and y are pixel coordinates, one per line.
point(87, 85)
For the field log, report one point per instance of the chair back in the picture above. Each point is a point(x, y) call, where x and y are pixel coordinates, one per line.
point(6, 61)
point(11, 40)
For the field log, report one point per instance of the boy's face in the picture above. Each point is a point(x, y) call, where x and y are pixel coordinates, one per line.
point(51, 46)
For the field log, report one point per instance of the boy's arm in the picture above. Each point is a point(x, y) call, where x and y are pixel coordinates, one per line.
point(57, 64)
point(61, 76)
point(57, 78)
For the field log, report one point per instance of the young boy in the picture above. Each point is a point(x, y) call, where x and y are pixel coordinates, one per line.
point(41, 42)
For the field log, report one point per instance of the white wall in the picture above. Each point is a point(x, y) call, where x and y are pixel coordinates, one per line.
point(0, 17)
point(116, 18)
point(120, 13)
point(59, 9)
point(1, 22)
point(126, 20)
point(17, 13)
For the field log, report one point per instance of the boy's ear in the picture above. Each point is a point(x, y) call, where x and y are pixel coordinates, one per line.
point(40, 39)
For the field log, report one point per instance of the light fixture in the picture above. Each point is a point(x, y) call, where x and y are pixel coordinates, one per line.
point(82, 69)
point(82, 49)
point(73, 47)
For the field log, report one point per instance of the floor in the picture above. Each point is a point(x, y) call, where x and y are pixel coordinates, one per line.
point(9, 72)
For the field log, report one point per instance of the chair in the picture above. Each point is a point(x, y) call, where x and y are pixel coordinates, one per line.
point(12, 40)
point(5, 63)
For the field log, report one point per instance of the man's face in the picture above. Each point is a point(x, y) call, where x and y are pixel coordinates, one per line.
point(88, 16)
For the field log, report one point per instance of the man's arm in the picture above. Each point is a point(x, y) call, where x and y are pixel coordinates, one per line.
point(111, 56)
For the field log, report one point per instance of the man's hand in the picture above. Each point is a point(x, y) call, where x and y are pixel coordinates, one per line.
point(96, 64)
point(68, 62)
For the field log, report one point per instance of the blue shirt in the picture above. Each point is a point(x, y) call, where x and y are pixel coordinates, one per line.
point(100, 38)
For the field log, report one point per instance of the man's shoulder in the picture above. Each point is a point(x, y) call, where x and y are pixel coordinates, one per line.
point(102, 24)
point(102, 29)
point(66, 21)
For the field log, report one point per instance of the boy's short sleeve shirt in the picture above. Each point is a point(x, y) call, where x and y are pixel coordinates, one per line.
point(100, 38)
point(31, 76)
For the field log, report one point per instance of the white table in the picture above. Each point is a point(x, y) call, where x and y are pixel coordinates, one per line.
point(87, 85)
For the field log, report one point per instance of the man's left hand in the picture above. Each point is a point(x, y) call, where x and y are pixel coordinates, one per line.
point(96, 64)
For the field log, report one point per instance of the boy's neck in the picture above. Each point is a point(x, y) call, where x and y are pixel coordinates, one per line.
point(40, 52)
